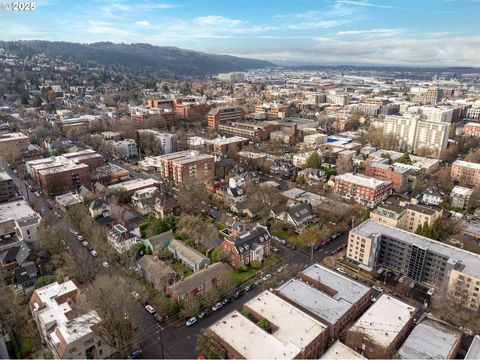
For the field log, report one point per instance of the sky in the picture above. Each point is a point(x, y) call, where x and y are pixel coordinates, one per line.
point(387, 32)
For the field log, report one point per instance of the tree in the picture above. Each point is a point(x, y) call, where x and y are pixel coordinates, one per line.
point(453, 130)
point(265, 325)
point(262, 200)
point(110, 296)
point(313, 234)
point(206, 346)
point(198, 229)
point(314, 161)
point(189, 191)
point(344, 165)
point(405, 159)
point(450, 154)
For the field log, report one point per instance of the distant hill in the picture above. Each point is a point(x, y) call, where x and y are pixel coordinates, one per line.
point(140, 57)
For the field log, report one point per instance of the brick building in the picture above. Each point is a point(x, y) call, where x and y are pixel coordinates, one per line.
point(251, 246)
point(7, 187)
point(397, 175)
point(362, 189)
point(11, 141)
point(251, 130)
point(224, 145)
point(472, 129)
point(191, 111)
point(219, 115)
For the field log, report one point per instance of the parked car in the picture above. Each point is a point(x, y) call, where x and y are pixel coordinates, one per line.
point(226, 301)
point(341, 270)
point(158, 317)
point(248, 287)
point(203, 314)
point(85, 243)
point(191, 321)
point(291, 246)
point(378, 288)
point(316, 247)
point(238, 294)
point(94, 253)
point(217, 306)
point(150, 309)
point(135, 354)
point(79, 237)
point(136, 295)
point(267, 277)
point(105, 264)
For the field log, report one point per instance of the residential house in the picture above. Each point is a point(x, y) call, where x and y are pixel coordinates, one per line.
point(460, 197)
point(144, 200)
point(298, 215)
point(99, 208)
point(17, 255)
point(433, 196)
point(313, 176)
point(121, 239)
point(166, 206)
point(199, 283)
point(160, 241)
point(254, 245)
point(188, 256)
point(236, 194)
point(157, 272)
point(25, 277)
point(65, 326)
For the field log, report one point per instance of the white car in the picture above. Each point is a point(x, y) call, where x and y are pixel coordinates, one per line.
point(136, 295)
point(94, 253)
point(79, 237)
point(85, 243)
point(378, 288)
point(341, 270)
point(191, 321)
point(267, 277)
point(217, 306)
point(150, 309)
point(105, 264)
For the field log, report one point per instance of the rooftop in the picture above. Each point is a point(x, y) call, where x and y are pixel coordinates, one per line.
point(199, 278)
point(430, 340)
point(461, 191)
point(341, 352)
point(251, 341)
point(468, 164)
point(362, 180)
point(474, 349)
point(17, 210)
point(225, 141)
point(12, 136)
point(461, 258)
point(294, 326)
point(135, 184)
point(383, 321)
point(186, 251)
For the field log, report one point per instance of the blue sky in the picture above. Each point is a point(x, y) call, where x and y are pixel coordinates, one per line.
point(404, 32)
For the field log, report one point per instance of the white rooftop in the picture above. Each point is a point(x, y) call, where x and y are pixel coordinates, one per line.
point(361, 180)
point(474, 349)
point(225, 141)
point(430, 340)
point(294, 326)
point(131, 185)
point(341, 351)
point(383, 321)
point(17, 210)
point(251, 341)
point(461, 191)
point(468, 164)
point(55, 313)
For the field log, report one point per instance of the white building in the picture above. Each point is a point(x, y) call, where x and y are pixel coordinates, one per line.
point(339, 351)
point(64, 327)
point(166, 142)
point(460, 197)
point(315, 139)
point(474, 112)
point(121, 239)
point(433, 113)
point(27, 220)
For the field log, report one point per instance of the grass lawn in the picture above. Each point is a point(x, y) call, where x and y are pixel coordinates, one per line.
point(243, 276)
point(270, 261)
point(181, 270)
point(285, 235)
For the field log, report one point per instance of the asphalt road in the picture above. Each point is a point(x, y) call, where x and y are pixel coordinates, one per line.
point(179, 341)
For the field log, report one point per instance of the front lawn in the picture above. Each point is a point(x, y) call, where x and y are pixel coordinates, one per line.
point(243, 276)
point(181, 269)
point(288, 236)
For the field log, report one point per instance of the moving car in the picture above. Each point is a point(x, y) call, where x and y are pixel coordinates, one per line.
point(150, 309)
point(217, 306)
point(191, 321)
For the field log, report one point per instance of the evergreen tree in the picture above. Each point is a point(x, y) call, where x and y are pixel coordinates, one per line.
point(405, 159)
point(436, 230)
point(314, 161)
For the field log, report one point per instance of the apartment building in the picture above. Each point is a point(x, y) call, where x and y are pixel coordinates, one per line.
point(474, 112)
point(221, 115)
point(8, 189)
point(77, 123)
point(472, 129)
point(223, 145)
point(272, 110)
point(66, 326)
point(254, 245)
point(460, 197)
point(451, 269)
point(251, 130)
point(293, 333)
point(465, 172)
point(22, 219)
point(142, 114)
point(16, 140)
point(362, 189)
point(193, 168)
point(333, 299)
point(131, 186)
point(397, 175)
point(191, 110)
point(161, 142)
point(379, 332)
point(432, 96)
point(414, 134)
point(124, 149)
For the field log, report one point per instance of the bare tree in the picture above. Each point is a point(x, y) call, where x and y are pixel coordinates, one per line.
point(198, 229)
point(344, 165)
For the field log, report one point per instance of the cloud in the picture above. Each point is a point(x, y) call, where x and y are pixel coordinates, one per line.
point(364, 4)
point(220, 21)
point(369, 32)
point(143, 23)
point(318, 24)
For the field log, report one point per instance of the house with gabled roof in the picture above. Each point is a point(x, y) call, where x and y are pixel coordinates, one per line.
point(252, 245)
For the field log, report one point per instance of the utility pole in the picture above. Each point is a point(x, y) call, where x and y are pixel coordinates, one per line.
point(311, 252)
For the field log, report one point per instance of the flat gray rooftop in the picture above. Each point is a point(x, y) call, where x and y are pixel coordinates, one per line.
point(430, 340)
point(469, 260)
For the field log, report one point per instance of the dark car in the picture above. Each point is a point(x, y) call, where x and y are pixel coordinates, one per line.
point(135, 354)
point(248, 287)
point(203, 314)
point(238, 294)
point(291, 246)
point(226, 301)
point(316, 247)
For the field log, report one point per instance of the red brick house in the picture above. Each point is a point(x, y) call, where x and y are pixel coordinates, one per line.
point(253, 245)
